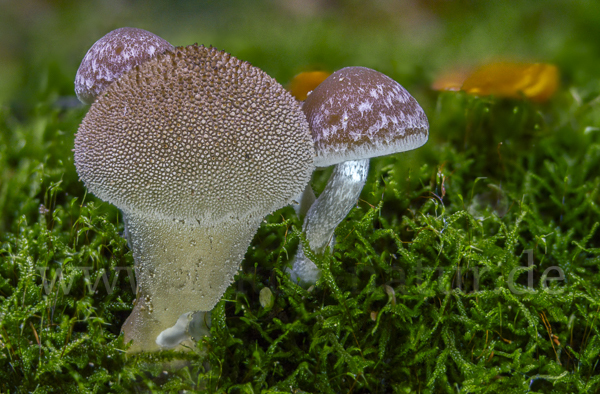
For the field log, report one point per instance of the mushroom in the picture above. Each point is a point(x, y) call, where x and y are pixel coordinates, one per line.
point(195, 147)
point(355, 114)
point(114, 54)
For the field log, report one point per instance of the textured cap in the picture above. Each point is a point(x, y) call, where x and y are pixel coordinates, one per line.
point(112, 55)
point(195, 134)
point(358, 113)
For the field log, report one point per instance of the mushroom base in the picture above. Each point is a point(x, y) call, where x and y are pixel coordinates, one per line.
point(332, 206)
point(180, 267)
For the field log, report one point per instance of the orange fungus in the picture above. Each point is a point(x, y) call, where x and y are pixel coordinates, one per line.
point(305, 82)
point(451, 80)
point(536, 81)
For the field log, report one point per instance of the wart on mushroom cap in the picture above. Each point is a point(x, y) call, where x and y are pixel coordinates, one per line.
point(195, 147)
point(355, 114)
point(112, 55)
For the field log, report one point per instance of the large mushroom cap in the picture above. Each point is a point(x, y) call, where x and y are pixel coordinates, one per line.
point(195, 134)
point(359, 113)
point(112, 55)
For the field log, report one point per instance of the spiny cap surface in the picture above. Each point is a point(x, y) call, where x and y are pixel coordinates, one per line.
point(195, 134)
point(359, 113)
point(112, 55)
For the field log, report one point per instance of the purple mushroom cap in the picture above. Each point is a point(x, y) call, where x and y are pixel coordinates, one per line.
point(114, 54)
point(358, 113)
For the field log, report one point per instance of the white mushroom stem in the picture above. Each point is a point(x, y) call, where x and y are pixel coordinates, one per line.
point(180, 267)
point(332, 206)
point(173, 336)
point(304, 201)
point(189, 327)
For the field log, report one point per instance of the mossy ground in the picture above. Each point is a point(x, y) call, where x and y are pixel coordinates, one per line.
point(427, 289)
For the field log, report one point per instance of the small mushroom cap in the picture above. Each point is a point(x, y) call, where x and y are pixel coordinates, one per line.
point(112, 55)
point(359, 113)
point(195, 134)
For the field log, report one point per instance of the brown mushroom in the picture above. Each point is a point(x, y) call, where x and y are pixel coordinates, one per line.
point(195, 147)
point(355, 114)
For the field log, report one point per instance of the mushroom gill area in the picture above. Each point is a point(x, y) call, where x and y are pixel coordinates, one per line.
point(195, 147)
point(180, 267)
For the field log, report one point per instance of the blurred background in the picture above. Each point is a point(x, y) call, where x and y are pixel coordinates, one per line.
point(412, 41)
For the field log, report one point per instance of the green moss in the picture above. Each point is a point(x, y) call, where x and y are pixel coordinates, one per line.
point(429, 288)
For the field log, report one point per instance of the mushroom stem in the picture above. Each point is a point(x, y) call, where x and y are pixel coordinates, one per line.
point(180, 267)
point(332, 206)
point(303, 201)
